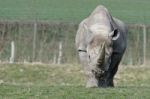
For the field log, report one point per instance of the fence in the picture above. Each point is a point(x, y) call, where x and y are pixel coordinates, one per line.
point(54, 43)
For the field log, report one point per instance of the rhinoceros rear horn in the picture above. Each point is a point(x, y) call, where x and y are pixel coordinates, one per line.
point(102, 55)
point(114, 34)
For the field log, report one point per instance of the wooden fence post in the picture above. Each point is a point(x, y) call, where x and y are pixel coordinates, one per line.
point(144, 45)
point(60, 53)
point(54, 59)
point(34, 41)
point(12, 57)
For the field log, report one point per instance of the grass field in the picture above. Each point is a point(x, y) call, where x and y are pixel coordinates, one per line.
point(67, 82)
point(131, 11)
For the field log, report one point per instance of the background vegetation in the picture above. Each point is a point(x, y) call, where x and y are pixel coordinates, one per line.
point(130, 11)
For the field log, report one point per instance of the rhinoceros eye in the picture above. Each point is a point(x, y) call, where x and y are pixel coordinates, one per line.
point(89, 57)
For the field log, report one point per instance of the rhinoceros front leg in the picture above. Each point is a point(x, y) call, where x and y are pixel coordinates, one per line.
point(116, 58)
point(91, 80)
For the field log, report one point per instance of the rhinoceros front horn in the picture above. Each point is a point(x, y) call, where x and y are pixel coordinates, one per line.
point(101, 58)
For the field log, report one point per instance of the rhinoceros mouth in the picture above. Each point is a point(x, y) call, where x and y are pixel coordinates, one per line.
point(99, 73)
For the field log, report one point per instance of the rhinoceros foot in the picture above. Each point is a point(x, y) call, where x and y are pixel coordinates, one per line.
point(92, 83)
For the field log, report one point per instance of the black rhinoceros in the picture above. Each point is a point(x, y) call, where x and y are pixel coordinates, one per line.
point(101, 41)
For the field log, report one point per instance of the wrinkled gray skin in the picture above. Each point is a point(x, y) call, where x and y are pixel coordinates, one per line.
point(101, 42)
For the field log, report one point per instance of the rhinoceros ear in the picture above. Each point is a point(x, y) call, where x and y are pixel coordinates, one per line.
point(114, 34)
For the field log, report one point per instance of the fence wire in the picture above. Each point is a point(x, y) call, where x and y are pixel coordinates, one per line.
point(40, 41)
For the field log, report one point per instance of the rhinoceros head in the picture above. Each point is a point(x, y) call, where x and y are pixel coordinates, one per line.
point(99, 48)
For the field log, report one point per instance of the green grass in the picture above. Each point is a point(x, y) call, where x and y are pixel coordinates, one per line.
point(67, 82)
point(69, 92)
point(131, 11)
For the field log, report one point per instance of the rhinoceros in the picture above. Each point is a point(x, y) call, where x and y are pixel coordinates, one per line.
point(101, 41)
